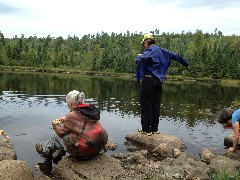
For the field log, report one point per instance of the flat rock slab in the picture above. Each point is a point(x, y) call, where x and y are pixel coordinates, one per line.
point(14, 169)
point(101, 167)
point(155, 140)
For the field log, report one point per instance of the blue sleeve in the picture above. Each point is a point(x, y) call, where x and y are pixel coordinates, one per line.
point(175, 57)
point(146, 55)
point(236, 116)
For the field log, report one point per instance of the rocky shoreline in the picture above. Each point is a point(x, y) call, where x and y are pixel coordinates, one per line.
point(160, 156)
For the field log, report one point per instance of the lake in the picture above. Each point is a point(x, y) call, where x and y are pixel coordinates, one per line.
point(30, 101)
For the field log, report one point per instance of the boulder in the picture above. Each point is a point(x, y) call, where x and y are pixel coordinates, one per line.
point(7, 151)
point(14, 169)
point(153, 141)
point(206, 155)
point(111, 146)
point(184, 167)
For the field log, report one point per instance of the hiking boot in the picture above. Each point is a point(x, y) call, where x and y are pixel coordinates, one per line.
point(143, 132)
point(58, 154)
point(156, 132)
point(39, 148)
point(45, 167)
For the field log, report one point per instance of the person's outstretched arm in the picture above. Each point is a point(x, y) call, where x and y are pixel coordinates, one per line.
point(176, 57)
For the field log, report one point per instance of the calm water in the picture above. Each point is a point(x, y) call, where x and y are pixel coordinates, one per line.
point(30, 101)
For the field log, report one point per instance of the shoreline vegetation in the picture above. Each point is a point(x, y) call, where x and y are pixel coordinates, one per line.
point(227, 82)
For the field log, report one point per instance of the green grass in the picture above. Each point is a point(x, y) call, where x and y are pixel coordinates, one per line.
point(224, 176)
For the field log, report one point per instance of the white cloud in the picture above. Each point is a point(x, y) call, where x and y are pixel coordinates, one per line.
point(76, 17)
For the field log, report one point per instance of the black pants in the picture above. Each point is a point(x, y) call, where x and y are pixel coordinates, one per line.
point(150, 99)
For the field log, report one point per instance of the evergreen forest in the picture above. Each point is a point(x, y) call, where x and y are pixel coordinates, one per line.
point(209, 55)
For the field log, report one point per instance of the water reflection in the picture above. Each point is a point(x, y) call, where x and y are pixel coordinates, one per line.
point(189, 101)
point(30, 101)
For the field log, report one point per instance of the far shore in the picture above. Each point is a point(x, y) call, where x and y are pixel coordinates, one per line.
point(228, 82)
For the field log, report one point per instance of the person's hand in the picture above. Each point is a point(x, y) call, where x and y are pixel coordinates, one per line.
point(56, 122)
point(62, 119)
point(59, 120)
point(231, 149)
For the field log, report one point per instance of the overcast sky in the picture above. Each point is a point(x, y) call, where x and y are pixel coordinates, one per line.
point(80, 17)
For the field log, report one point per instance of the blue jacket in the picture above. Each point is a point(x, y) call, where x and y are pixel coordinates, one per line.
point(156, 61)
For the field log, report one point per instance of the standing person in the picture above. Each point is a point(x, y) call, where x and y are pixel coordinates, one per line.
point(152, 66)
point(83, 136)
point(231, 119)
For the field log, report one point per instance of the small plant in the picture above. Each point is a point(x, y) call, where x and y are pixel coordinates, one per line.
point(148, 177)
point(224, 176)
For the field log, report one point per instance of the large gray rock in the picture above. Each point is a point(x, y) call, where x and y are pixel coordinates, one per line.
point(101, 167)
point(7, 151)
point(184, 167)
point(226, 165)
point(153, 141)
point(14, 169)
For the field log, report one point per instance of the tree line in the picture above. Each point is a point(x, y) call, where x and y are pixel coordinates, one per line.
point(210, 55)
